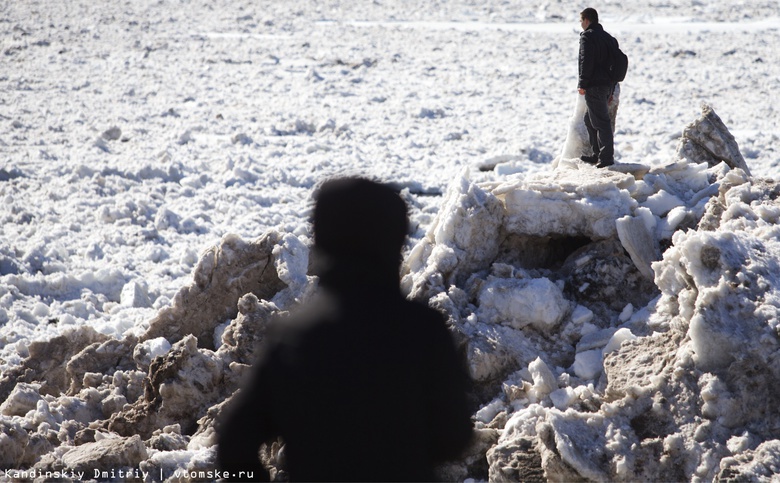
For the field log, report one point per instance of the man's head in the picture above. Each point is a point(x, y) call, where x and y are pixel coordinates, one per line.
point(359, 220)
point(588, 16)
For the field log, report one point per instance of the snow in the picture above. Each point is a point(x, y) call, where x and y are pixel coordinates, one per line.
point(147, 148)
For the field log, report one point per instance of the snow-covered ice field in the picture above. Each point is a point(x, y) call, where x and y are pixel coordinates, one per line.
point(136, 135)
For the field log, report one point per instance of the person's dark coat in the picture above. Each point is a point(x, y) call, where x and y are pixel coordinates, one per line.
point(594, 57)
point(360, 385)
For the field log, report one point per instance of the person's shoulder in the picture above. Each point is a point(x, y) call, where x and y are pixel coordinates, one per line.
point(302, 321)
point(423, 310)
point(591, 32)
point(424, 318)
point(602, 32)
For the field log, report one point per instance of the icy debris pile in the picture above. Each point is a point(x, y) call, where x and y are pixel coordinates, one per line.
point(86, 402)
point(693, 400)
point(556, 260)
point(619, 324)
point(225, 273)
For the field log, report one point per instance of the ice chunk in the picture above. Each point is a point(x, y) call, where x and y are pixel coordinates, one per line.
point(595, 339)
point(581, 315)
point(489, 411)
point(627, 312)
point(135, 294)
point(620, 336)
point(662, 203)
point(520, 302)
point(544, 380)
point(587, 365)
point(569, 204)
point(710, 344)
point(563, 397)
point(638, 242)
point(461, 240)
point(145, 352)
point(291, 258)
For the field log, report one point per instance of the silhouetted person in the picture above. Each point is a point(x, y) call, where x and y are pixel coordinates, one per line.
point(361, 384)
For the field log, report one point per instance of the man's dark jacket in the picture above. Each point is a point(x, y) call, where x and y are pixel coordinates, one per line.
point(594, 57)
point(362, 386)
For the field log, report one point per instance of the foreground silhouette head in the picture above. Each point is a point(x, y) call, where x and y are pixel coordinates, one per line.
point(356, 219)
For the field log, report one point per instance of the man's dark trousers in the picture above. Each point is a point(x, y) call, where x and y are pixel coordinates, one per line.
point(598, 123)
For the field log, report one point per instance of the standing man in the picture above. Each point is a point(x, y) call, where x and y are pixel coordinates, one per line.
point(597, 87)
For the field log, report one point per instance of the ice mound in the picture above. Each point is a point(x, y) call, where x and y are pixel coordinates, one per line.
point(619, 324)
point(87, 403)
point(224, 274)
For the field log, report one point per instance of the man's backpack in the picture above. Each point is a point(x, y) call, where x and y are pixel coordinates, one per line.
point(618, 62)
